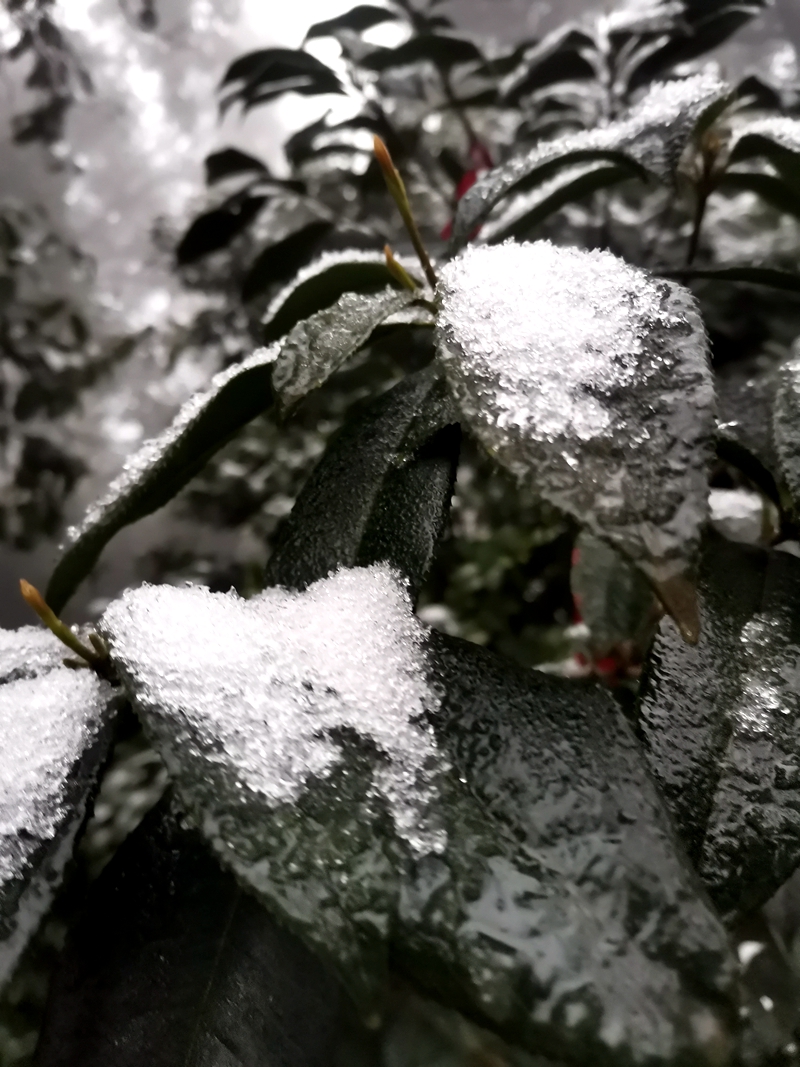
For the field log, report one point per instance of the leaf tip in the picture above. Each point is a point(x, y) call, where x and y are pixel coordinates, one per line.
point(34, 599)
point(679, 596)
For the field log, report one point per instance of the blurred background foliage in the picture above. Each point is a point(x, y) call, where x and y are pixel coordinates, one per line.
point(110, 316)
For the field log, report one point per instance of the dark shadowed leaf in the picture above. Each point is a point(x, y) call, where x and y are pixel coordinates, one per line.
point(360, 18)
point(264, 75)
point(721, 723)
point(55, 725)
point(216, 229)
point(772, 277)
point(495, 826)
point(321, 284)
point(652, 134)
point(230, 161)
point(745, 401)
point(556, 358)
point(706, 32)
point(173, 965)
point(381, 492)
point(163, 466)
point(570, 190)
point(319, 345)
point(773, 191)
point(775, 138)
point(278, 262)
point(561, 66)
point(443, 52)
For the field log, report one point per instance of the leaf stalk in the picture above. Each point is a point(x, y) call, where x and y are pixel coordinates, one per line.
point(394, 184)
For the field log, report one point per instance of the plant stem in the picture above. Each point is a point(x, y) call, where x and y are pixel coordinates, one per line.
point(93, 656)
point(398, 271)
point(699, 214)
point(396, 187)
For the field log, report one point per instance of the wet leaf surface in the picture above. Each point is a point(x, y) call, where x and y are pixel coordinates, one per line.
point(388, 790)
point(319, 345)
point(589, 379)
point(55, 725)
point(173, 965)
point(163, 465)
point(786, 427)
point(322, 283)
point(381, 492)
point(721, 723)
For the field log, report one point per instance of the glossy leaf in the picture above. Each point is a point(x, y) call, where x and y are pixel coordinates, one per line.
point(772, 191)
point(321, 284)
point(653, 134)
point(319, 345)
point(443, 52)
point(216, 229)
point(530, 876)
point(174, 965)
point(557, 357)
point(229, 161)
point(164, 465)
point(55, 724)
point(745, 401)
point(358, 19)
point(380, 493)
point(569, 191)
point(775, 138)
point(721, 722)
point(260, 76)
point(561, 57)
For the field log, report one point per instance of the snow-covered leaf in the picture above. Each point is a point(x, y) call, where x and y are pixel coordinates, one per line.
point(786, 426)
point(721, 723)
point(381, 492)
point(173, 964)
point(322, 283)
point(384, 789)
point(55, 728)
point(773, 191)
point(590, 379)
point(652, 135)
point(325, 745)
point(163, 466)
point(318, 346)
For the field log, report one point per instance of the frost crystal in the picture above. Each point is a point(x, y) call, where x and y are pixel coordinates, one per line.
point(591, 378)
point(54, 725)
point(654, 134)
point(277, 684)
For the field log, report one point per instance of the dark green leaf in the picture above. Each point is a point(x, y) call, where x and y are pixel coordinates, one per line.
point(747, 275)
point(721, 722)
point(493, 829)
point(164, 465)
point(280, 261)
point(216, 229)
point(443, 52)
point(381, 492)
point(264, 75)
point(358, 19)
point(705, 34)
point(785, 157)
point(569, 193)
point(173, 965)
point(230, 161)
point(745, 400)
point(56, 727)
point(761, 93)
point(652, 135)
point(772, 191)
point(561, 66)
point(319, 345)
point(321, 284)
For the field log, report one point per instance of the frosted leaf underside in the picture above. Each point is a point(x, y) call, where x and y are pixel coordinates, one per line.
point(54, 724)
point(589, 378)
